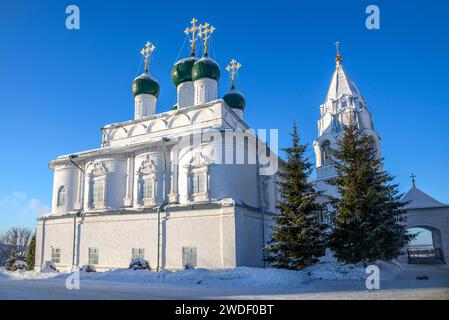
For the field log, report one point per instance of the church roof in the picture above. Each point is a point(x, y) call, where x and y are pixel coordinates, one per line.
point(419, 199)
point(341, 84)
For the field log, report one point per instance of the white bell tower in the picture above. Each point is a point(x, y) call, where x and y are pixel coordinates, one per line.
point(343, 100)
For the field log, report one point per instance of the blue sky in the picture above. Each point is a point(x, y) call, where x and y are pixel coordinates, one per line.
point(58, 87)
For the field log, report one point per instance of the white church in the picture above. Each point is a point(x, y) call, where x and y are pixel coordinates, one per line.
point(191, 186)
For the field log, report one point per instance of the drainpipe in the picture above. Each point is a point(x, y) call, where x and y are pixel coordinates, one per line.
point(78, 213)
point(259, 200)
point(43, 242)
point(162, 206)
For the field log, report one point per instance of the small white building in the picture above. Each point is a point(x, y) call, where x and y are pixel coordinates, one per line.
point(167, 187)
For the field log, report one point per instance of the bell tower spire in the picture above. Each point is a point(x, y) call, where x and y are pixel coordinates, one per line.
point(343, 102)
point(338, 57)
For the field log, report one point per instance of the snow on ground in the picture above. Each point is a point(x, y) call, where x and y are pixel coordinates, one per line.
point(342, 282)
point(328, 268)
point(238, 277)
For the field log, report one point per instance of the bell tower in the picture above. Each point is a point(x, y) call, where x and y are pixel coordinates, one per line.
point(343, 101)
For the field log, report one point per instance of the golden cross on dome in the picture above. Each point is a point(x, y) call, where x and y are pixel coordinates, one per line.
point(194, 31)
point(338, 58)
point(146, 52)
point(205, 33)
point(233, 67)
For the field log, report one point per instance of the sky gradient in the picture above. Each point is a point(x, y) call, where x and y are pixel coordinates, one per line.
point(58, 87)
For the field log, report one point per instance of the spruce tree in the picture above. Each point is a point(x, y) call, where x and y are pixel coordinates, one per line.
point(297, 239)
point(367, 212)
point(31, 253)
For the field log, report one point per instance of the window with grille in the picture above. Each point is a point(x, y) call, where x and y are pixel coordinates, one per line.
point(198, 183)
point(147, 189)
point(138, 253)
point(56, 255)
point(98, 191)
point(93, 255)
point(189, 257)
point(62, 197)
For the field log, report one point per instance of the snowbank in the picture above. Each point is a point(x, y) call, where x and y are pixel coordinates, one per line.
point(242, 277)
point(328, 268)
point(25, 275)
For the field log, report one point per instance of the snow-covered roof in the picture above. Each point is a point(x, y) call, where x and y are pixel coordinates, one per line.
point(341, 84)
point(419, 199)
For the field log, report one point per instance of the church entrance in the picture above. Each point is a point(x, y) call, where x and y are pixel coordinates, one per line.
point(426, 248)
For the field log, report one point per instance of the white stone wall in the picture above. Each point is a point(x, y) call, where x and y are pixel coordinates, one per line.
point(249, 237)
point(211, 231)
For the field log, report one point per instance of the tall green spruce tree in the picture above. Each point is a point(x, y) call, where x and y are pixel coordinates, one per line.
point(298, 237)
point(368, 210)
point(31, 253)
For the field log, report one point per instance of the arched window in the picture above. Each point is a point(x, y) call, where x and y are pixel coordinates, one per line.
point(98, 186)
point(147, 175)
point(326, 152)
point(98, 190)
point(62, 197)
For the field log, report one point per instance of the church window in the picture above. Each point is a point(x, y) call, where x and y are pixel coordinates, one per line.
point(93, 255)
point(62, 197)
point(97, 185)
point(198, 183)
point(147, 182)
point(189, 257)
point(147, 189)
point(197, 180)
point(138, 253)
point(56, 255)
point(98, 191)
point(326, 152)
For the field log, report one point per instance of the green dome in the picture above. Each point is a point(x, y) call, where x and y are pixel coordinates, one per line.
point(205, 68)
point(182, 70)
point(235, 99)
point(145, 84)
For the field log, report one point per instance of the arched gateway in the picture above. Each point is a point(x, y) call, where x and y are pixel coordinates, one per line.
point(426, 215)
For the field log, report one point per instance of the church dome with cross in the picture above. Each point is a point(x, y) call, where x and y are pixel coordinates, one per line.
point(182, 70)
point(205, 67)
point(234, 98)
point(145, 84)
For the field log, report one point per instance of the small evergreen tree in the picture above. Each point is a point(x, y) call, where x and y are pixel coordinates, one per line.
point(297, 239)
point(366, 220)
point(31, 253)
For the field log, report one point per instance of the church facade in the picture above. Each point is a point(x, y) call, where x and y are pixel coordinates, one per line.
point(165, 186)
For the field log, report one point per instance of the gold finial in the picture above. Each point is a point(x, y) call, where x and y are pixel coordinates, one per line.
point(205, 33)
point(194, 31)
point(338, 58)
point(146, 52)
point(233, 67)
